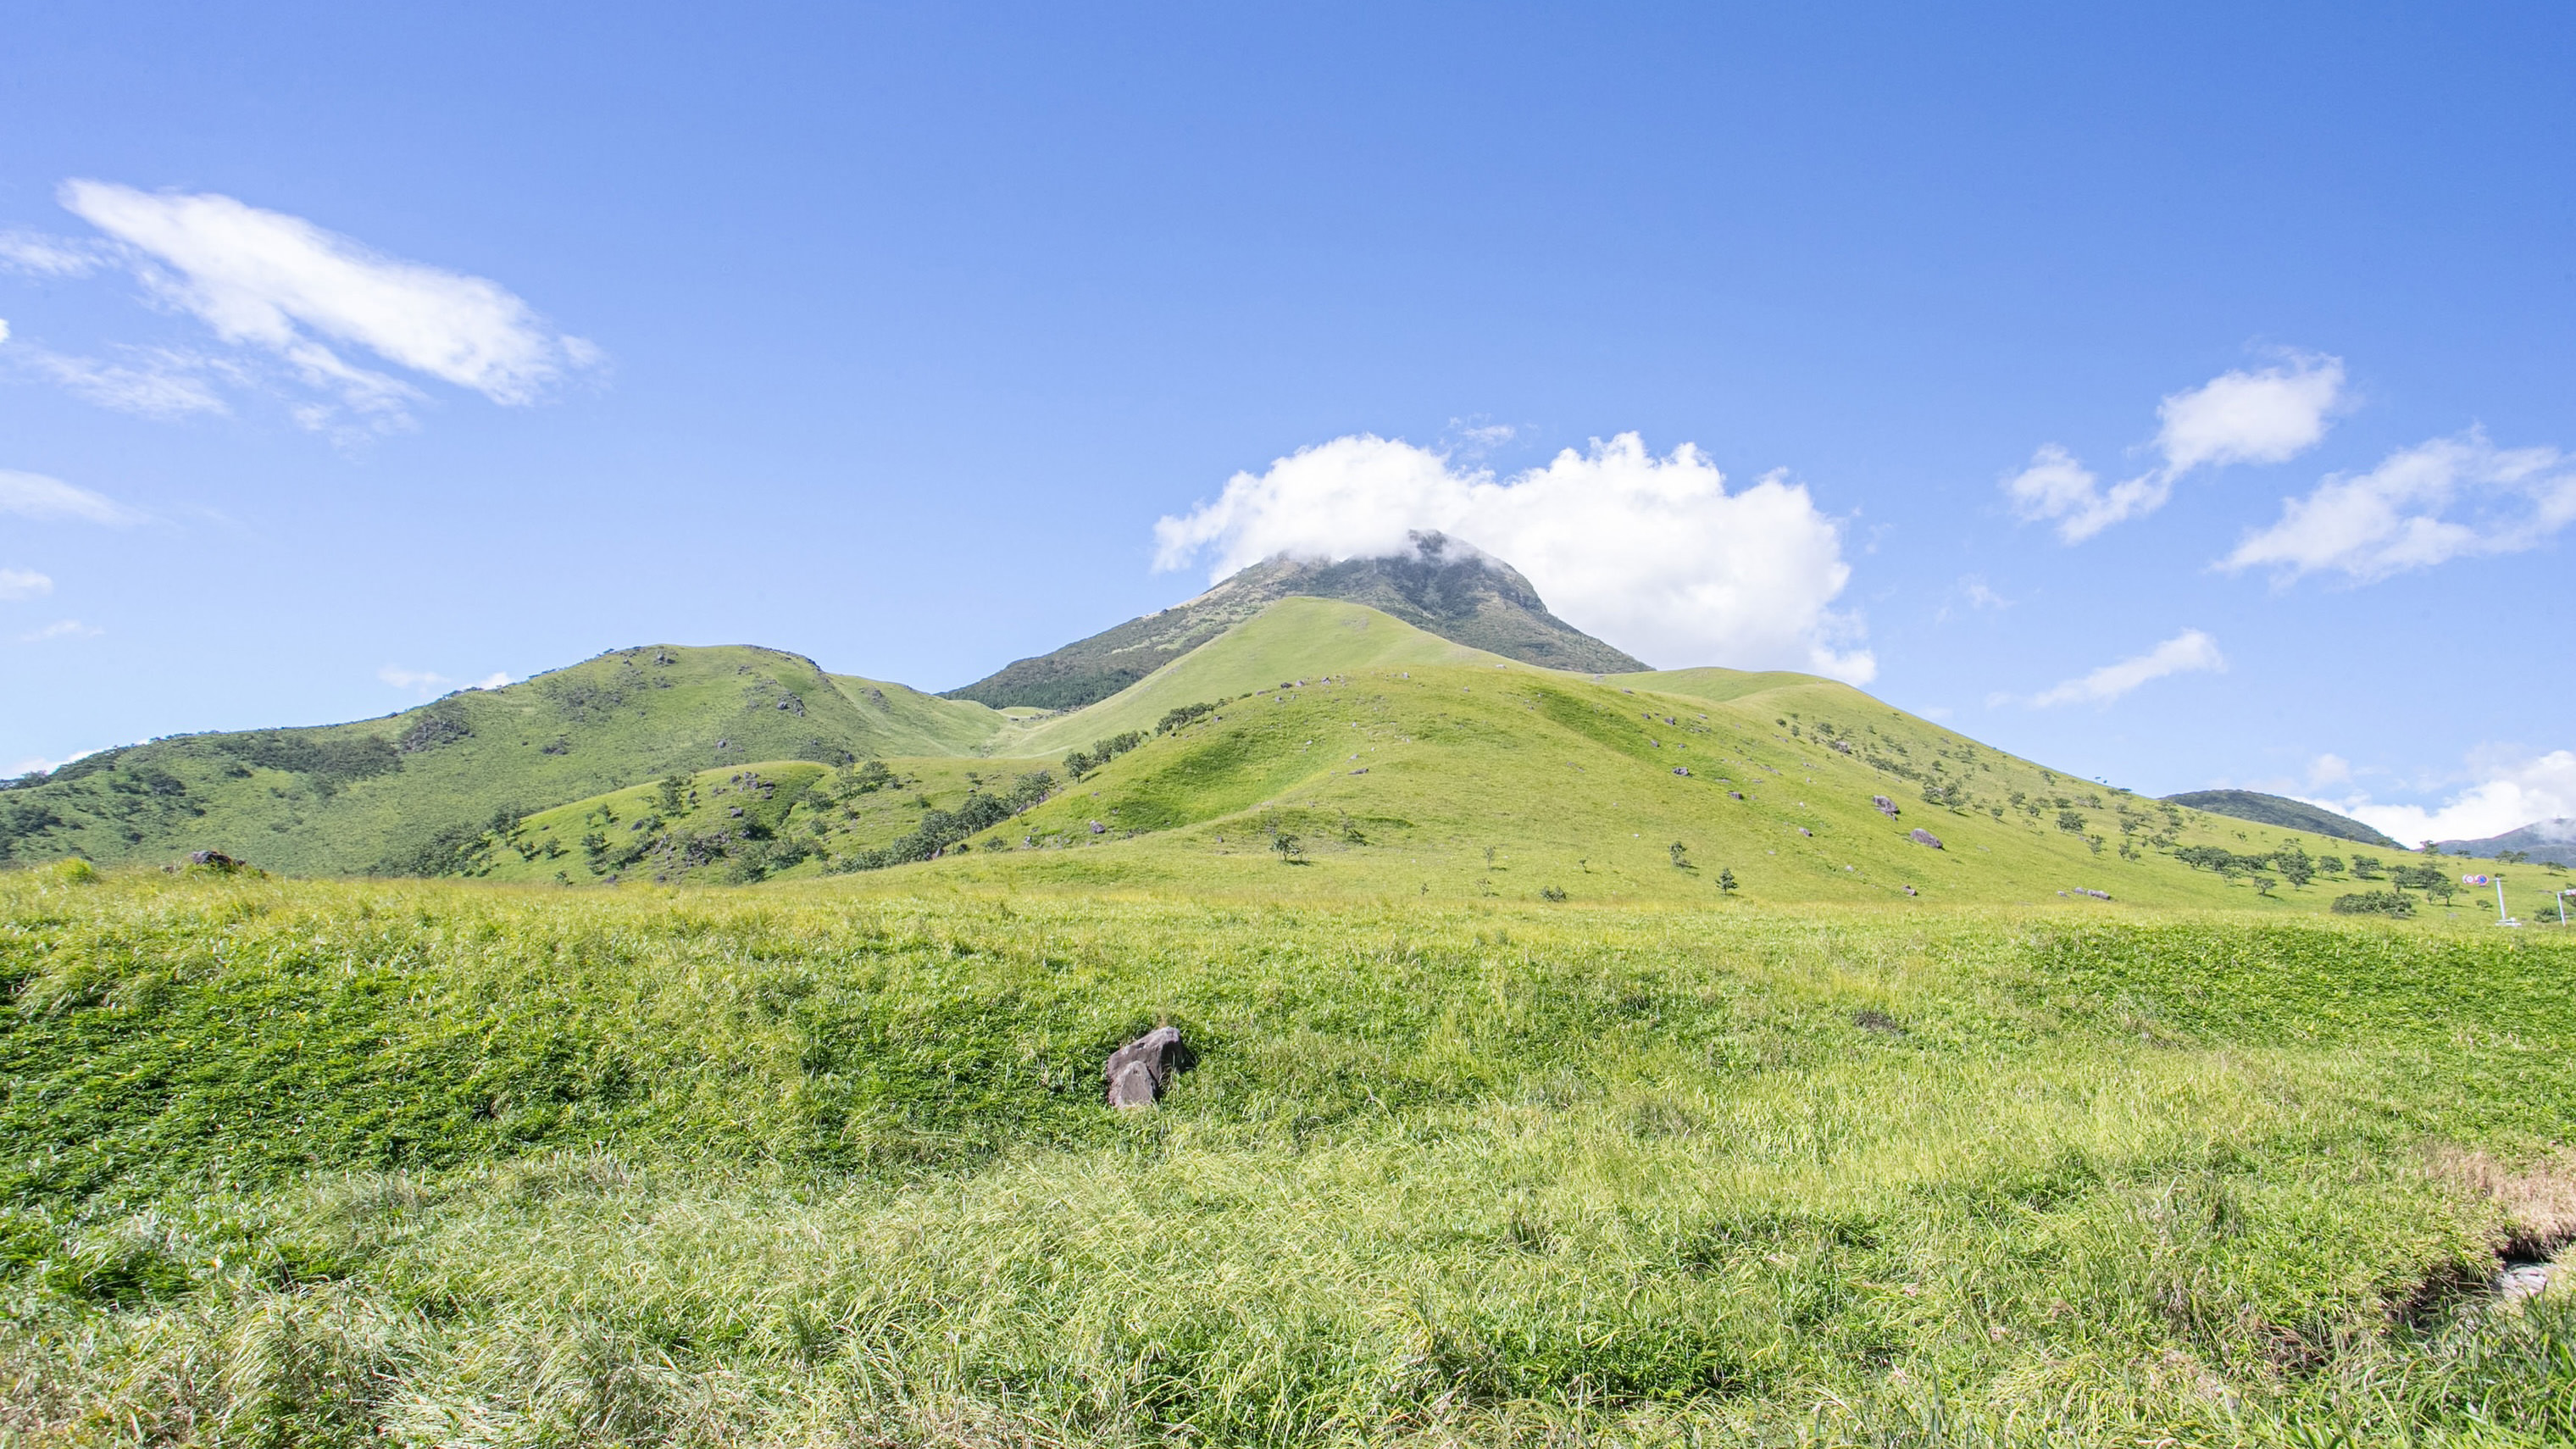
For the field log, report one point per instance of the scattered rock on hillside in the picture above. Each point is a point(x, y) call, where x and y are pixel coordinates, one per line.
point(1885, 806)
point(1138, 1072)
point(2524, 1280)
point(1921, 836)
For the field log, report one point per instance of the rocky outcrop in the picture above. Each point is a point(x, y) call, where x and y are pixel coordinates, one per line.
point(1138, 1072)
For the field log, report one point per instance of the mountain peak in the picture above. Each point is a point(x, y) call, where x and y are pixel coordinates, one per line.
point(1442, 585)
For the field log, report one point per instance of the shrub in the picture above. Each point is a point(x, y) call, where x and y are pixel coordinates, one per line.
point(2429, 879)
point(864, 779)
point(1083, 762)
point(2375, 903)
point(328, 761)
point(2220, 859)
point(2294, 865)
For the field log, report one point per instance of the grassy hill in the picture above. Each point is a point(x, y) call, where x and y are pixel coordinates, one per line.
point(2279, 810)
point(1483, 778)
point(315, 1163)
point(1440, 586)
point(1400, 762)
point(1289, 640)
point(402, 794)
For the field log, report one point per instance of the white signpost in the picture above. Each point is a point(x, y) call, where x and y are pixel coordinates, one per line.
point(2498, 882)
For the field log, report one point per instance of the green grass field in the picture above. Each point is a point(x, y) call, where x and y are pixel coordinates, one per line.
point(1581, 1059)
point(823, 1162)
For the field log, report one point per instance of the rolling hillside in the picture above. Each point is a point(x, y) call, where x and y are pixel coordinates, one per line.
point(1492, 779)
point(1392, 761)
point(1400, 765)
point(399, 794)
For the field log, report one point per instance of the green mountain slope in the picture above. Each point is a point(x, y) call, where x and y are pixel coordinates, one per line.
point(1403, 765)
point(1455, 780)
point(2549, 841)
point(400, 793)
point(1442, 587)
point(2279, 810)
point(1290, 639)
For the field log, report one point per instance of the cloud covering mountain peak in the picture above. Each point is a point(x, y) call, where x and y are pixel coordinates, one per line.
point(1654, 554)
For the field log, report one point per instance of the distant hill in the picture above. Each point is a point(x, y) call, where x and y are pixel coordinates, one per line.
point(2549, 840)
point(1441, 586)
point(2282, 811)
point(397, 795)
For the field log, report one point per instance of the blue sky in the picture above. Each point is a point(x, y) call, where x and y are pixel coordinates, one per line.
point(2172, 395)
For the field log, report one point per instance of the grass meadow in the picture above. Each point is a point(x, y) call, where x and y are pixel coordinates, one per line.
point(308, 1163)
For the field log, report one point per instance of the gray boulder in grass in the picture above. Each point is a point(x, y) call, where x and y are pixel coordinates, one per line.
point(1885, 806)
point(1138, 1071)
point(1921, 836)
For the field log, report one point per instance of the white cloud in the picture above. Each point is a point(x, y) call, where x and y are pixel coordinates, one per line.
point(2329, 769)
point(37, 764)
point(278, 282)
point(1652, 554)
point(160, 384)
point(1981, 597)
point(60, 629)
point(2056, 486)
point(1474, 437)
point(33, 495)
point(2187, 652)
point(34, 255)
point(2238, 417)
point(2445, 499)
point(2270, 416)
point(425, 683)
point(24, 584)
point(2517, 790)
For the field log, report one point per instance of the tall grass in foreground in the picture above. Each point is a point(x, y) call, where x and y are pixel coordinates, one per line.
point(327, 1164)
